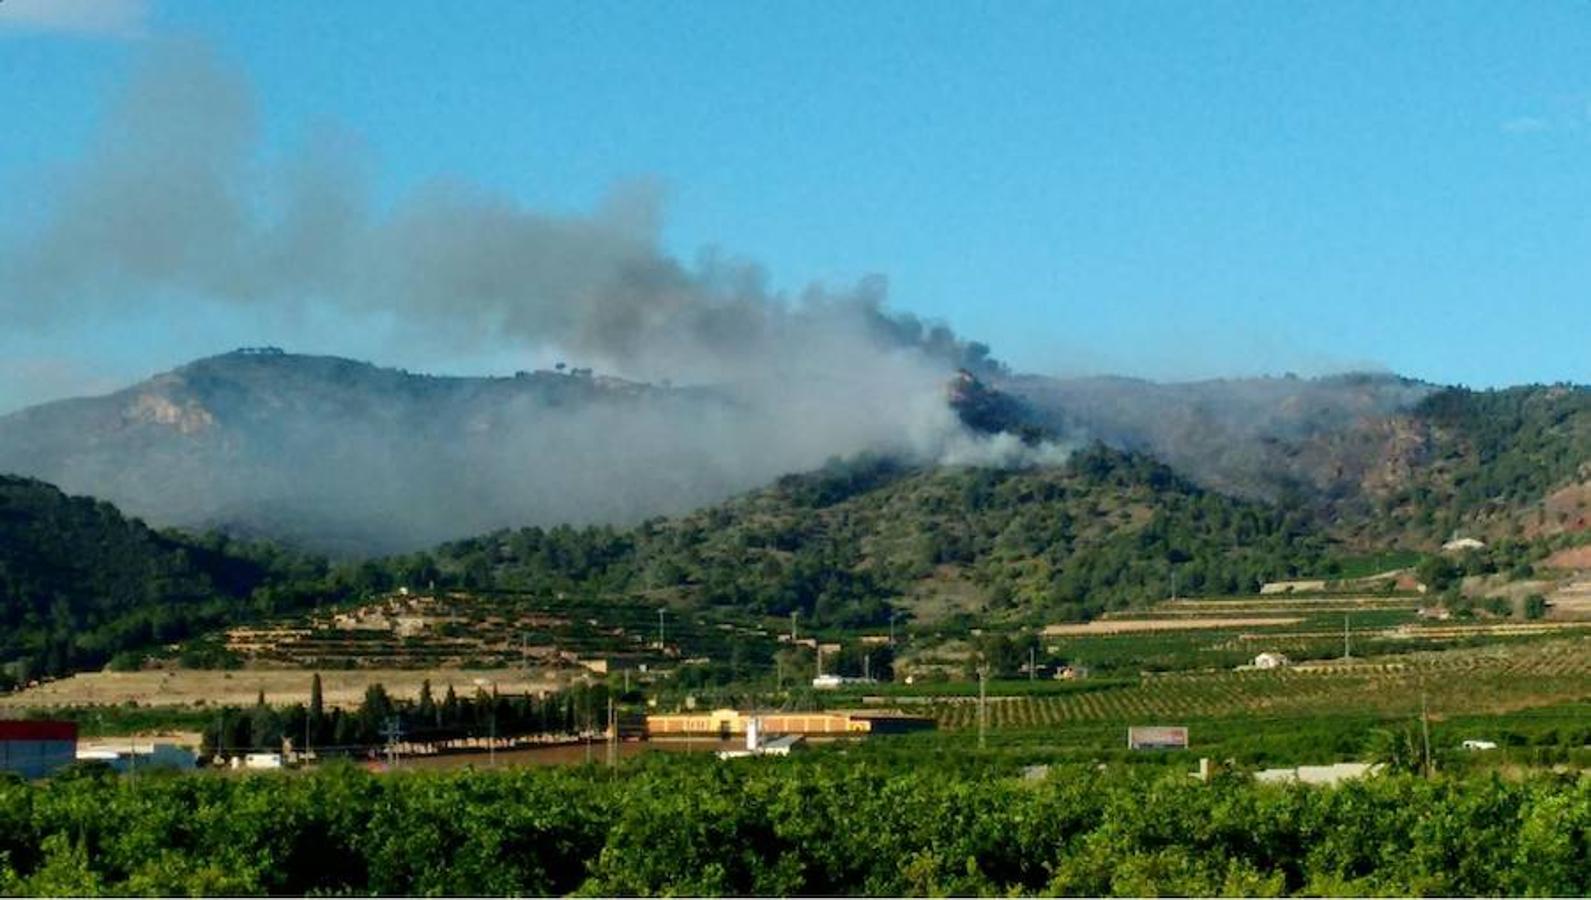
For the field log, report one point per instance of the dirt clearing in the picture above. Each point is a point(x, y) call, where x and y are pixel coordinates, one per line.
point(1127, 626)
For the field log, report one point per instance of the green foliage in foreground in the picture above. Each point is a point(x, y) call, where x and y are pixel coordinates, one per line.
point(823, 825)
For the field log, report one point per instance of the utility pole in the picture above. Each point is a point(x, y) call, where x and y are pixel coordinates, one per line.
point(1347, 650)
point(983, 703)
point(393, 731)
point(892, 617)
point(1425, 731)
point(867, 658)
point(660, 628)
point(1173, 582)
point(793, 614)
point(613, 735)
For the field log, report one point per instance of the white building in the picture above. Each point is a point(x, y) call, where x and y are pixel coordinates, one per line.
point(1270, 661)
point(261, 761)
point(830, 682)
point(756, 746)
point(1333, 774)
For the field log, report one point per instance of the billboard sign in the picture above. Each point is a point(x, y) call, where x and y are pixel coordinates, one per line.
point(1157, 737)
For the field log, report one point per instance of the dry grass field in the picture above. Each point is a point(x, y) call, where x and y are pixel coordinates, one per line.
point(201, 687)
point(1128, 626)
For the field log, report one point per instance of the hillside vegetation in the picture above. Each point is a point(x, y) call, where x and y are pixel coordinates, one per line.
point(858, 539)
point(1377, 459)
point(80, 583)
point(1496, 454)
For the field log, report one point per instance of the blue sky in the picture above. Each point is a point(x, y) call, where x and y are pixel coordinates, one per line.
point(1170, 190)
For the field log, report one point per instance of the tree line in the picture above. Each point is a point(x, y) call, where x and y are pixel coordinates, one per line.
point(380, 717)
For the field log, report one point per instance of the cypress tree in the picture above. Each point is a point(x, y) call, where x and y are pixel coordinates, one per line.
point(317, 709)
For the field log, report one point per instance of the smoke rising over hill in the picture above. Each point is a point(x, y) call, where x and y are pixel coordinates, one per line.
point(174, 200)
point(173, 208)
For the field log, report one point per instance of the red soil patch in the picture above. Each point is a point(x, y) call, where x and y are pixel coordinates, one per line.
point(1570, 558)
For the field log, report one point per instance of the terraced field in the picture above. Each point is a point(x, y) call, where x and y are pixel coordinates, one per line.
point(501, 629)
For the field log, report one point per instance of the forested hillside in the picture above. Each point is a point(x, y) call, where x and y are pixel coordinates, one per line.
point(80, 583)
point(855, 542)
point(859, 539)
point(1376, 459)
point(1497, 454)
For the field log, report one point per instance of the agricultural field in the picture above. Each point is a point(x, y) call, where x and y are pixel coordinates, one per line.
point(240, 688)
point(831, 824)
point(1495, 679)
point(1226, 633)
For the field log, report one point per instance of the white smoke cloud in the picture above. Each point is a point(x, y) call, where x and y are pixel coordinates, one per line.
point(86, 18)
point(173, 201)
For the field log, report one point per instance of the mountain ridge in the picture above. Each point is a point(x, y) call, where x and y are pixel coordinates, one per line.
point(350, 458)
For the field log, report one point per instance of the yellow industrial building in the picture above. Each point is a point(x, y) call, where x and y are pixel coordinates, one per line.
point(726, 723)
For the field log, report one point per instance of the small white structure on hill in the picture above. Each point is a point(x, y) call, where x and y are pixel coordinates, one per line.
point(1458, 544)
point(1271, 661)
point(1480, 745)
